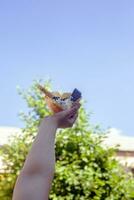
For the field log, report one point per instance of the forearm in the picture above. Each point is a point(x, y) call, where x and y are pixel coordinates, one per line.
point(34, 181)
point(41, 158)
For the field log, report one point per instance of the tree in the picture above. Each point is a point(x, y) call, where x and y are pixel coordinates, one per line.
point(84, 168)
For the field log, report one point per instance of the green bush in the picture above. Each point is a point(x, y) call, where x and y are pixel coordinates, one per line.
point(84, 168)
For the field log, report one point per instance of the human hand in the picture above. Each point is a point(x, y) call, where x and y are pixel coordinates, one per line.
point(67, 118)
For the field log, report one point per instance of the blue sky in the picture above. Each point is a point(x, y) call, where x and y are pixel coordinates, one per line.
point(84, 44)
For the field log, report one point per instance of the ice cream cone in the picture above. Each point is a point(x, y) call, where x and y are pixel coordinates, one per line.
point(58, 102)
point(46, 92)
point(54, 107)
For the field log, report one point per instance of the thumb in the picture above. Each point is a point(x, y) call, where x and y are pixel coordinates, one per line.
point(71, 111)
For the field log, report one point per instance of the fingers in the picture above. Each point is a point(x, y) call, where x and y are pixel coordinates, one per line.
point(76, 103)
point(71, 112)
point(72, 119)
point(67, 118)
point(74, 111)
point(75, 108)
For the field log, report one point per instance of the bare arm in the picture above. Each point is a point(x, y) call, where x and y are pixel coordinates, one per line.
point(34, 181)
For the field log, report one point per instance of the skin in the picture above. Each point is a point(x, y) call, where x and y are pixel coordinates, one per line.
point(35, 179)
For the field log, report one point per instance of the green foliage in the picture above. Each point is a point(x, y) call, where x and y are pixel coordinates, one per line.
point(84, 169)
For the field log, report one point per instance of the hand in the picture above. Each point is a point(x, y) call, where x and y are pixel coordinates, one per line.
point(67, 118)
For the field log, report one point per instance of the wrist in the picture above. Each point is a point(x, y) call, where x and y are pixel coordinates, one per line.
point(52, 120)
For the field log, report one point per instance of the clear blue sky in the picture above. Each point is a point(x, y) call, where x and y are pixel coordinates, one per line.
point(84, 44)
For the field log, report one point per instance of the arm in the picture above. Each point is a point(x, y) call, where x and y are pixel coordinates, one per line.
point(34, 181)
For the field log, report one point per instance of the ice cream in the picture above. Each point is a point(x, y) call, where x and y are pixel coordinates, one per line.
point(58, 102)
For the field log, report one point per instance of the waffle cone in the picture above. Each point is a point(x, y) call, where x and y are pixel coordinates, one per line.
point(54, 106)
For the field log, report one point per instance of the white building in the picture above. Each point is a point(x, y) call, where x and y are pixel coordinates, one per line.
point(125, 144)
